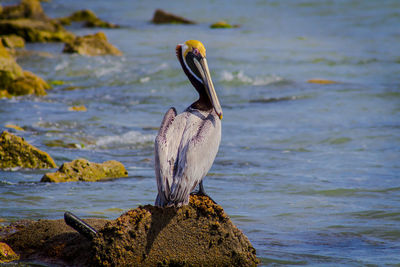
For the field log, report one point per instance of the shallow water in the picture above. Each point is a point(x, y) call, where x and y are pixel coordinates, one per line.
point(309, 172)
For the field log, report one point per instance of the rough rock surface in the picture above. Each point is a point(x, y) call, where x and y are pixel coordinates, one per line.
point(16, 152)
point(89, 18)
point(15, 81)
point(51, 242)
point(162, 17)
point(199, 234)
point(91, 45)
point(7, 254)
point(30, 22)
point(83, 170)
point(12, 41)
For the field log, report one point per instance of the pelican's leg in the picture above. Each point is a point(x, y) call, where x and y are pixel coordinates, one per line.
point(202, 192)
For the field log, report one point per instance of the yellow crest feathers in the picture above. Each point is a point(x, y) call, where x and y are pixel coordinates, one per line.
point(195, 44)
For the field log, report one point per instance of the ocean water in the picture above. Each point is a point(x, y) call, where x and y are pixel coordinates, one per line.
point(309, 172)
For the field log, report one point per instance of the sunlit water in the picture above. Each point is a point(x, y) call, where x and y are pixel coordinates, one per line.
point(309, 172)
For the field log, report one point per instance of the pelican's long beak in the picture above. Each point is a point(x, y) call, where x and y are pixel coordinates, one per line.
point(202, 66)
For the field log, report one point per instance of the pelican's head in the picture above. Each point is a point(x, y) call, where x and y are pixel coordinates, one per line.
point(192, 56)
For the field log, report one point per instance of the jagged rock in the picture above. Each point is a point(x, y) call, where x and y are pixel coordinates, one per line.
point(16, 152)
point(162, 17)
point(199, 234)
point(90, 19)
point(91, 45)
point(15, 81)
point(30, 22)
point(12, 41)
point(83, 170)
point(7, 254)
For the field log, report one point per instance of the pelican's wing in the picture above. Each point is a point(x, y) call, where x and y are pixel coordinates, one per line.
point(163, 168)
point(195, 159)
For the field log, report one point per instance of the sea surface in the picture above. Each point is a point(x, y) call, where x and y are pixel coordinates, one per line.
point(309, 172)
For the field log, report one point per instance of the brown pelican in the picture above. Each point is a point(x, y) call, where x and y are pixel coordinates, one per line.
point(186, 144)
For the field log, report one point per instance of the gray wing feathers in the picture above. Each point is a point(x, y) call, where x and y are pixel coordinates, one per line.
point(163, 168)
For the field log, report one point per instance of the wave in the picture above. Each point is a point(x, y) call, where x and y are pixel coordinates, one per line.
point(241, 77)
point(132, 138)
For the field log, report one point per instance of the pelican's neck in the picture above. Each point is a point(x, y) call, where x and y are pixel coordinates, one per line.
point(203, 103)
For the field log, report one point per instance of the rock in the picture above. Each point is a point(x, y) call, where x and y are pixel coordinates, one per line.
point(199, 234)
point(15, 81)
point(28, 21)
point(52, 242)
point(91, 45)
point(162, 17)
point(16, 152)
point(7, 254)
point(12, 41)
point(83, 170)
point(90, 19)
point(321, 81)
point(15, 127)
point(36, 30)
point(222, 25)
point(77, 108)
point(26, 9)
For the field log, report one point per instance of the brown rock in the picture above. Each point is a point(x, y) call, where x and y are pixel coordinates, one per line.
point(162, 17)
point(89, 18)
point(199, 234)
point(7, 254)
point(83, 170)
point(16, 152)
point(52, 242)
point(12, 41)
point(91, 45)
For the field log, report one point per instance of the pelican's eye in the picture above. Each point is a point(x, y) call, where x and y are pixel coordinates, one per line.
point(196, 52)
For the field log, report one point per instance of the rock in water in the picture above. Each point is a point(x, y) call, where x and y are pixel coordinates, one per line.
point(15, 81)
point(90, 19)
point(91, 45)
point(16, 152)
point(162, 17)
point(30, 22)
point(83, 170)
point(199, 234)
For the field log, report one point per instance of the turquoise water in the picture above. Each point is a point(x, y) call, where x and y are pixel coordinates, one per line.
point(309, 172)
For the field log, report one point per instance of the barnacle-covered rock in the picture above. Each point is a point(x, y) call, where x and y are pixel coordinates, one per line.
point(83, 170)
point(91, 45)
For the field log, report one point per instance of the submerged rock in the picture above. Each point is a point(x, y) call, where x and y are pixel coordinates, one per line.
point(162, 17)
point(222, 25)
point(89, 18)
point(83, 170)
point(199, 234)
point(7, 254)
point(91, 45)
point(321, 81)
point(28, 21)
point(15, 81)
point(16, 152)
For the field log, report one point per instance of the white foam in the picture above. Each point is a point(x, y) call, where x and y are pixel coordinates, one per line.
point(126, 139)
point(243, 78)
